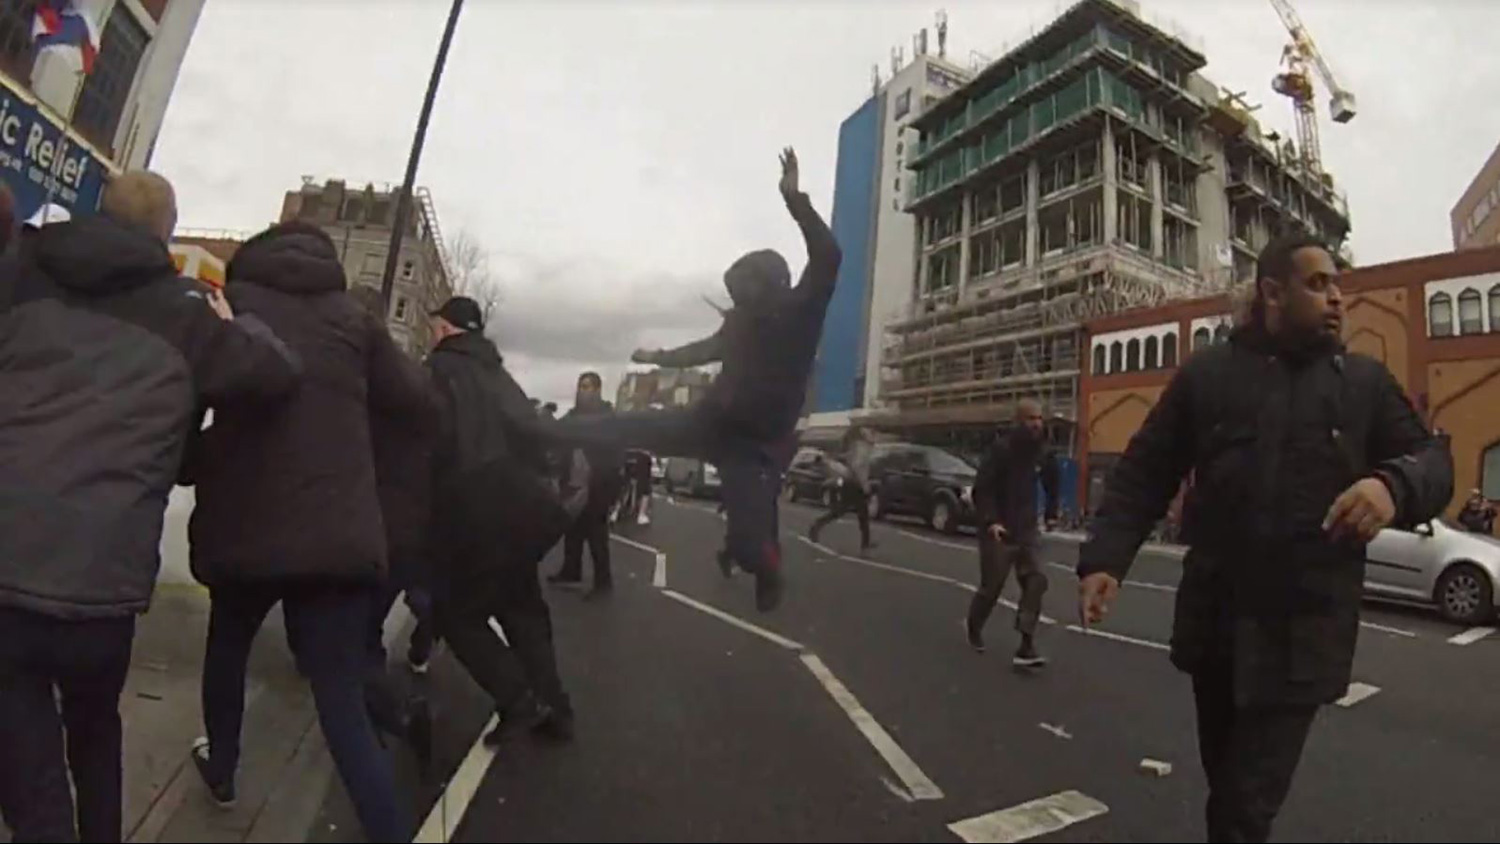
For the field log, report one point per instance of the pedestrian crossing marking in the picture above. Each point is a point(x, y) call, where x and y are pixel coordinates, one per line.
point(1029, 820)
point(1356, 693)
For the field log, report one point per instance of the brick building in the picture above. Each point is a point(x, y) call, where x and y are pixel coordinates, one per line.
point(1434, 320)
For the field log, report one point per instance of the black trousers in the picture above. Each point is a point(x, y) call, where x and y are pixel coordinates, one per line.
point(852, 498)
point(592, 530)
point(60, 685)
point(1249, 755)
point(996, 559)
point(513, 598)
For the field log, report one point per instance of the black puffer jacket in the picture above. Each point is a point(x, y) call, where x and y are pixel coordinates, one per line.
point(1005, 488)
point(403, 446)
point(105, 357)
point(605, 464)
point(1271, 440)
point(289, 494)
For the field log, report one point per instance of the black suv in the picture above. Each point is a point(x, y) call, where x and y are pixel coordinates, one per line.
point(923, 481)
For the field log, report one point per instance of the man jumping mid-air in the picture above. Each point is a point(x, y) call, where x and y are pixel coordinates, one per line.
point(746, 423)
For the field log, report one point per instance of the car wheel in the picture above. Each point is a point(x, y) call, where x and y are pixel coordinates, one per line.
point(944, 517)
point(1465, 594)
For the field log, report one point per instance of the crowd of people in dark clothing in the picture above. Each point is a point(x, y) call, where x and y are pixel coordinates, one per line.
point(335, 474)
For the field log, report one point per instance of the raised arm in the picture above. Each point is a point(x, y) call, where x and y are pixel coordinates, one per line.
point(697, 353)
point(823, 253)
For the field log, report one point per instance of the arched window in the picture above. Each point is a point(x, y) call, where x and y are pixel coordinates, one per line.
point(1153, 352)
point(1495, 308)
point(1470, 312)
point(1099, 354)
point(1116, 356)
point(1133, 355)
point(1201, 337)
point(1440, 315)
point(1169, 349)
point(1221, 333)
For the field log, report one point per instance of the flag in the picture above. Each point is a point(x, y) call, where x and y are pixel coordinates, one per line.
point(61, 25)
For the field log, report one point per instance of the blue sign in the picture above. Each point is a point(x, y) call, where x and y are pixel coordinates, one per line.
point(41, 163)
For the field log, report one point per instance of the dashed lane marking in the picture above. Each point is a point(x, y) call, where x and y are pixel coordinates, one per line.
point(1118, 637)
point(659, 573)
point(454, 802)
point(917, 783)
point(1383, 628)
point(1357, 692)
point(1470, 636)
point(1029, 820)
point(931, 541)
point(1138, 584)
point(774, 638)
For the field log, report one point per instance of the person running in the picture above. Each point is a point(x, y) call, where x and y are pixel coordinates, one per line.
point(288, 512)
point(1005, 498)
point(746, 423)
point(853, 496)
point(109, 355)
point(601, 479)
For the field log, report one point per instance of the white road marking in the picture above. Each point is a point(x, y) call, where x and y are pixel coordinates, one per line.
point(1119, 637)
point(1156, 587)
point(454, 802)
point(1029, 820)
point(917, 783)
point(659, 576)
point(1470, 636)
point(1056, 730)
point(1356, 693)
point(1394, 631)
point(931, 541)
point(639, 546)
point(762, 632)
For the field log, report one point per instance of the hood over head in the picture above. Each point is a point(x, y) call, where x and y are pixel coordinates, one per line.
point(757, 278)
point(295, 258)
point(96, 256)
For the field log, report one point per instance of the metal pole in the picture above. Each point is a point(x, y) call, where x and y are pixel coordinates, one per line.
point(403, 200)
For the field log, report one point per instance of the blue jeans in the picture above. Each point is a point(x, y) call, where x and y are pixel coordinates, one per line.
point(326, 627)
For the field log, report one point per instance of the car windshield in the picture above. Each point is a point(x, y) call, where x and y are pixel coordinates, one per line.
point(946, 463)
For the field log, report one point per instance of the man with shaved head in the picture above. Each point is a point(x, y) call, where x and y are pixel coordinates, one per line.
point(1005, 498)
point(108, 357)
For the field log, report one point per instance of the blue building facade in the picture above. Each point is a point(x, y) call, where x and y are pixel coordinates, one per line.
point(839, 373)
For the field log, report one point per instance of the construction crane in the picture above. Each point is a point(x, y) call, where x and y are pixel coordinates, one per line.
point(1296, 84)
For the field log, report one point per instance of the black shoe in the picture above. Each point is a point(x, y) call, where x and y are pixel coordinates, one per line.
point(516, 718)
point(813, 535)
point(868, 547)
point(222, 793)
point(1027, 657)
point(554, 726)
point(976, 636)
point(600, 590)
point(726, 564)
point(419, 732)
point(768, 588)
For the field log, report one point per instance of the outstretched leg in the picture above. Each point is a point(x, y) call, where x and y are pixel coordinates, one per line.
point(678, 432)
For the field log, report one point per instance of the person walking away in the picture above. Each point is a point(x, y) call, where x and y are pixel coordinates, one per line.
point(602, 480)
point(638, 480)
point(106, 356)
point(1301, 453)
point(288, 512)
point(854, 487)
point(486, 560)
point(1478, 515)
point(746, 422)
point(1005, 493)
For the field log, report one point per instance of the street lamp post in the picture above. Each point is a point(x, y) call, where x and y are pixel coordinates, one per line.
point(403, 200)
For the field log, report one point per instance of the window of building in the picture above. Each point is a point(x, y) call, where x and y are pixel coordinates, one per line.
point(101, 103)
point(1116, 356)
point(1180, 244)
point(1133, 355)
point(1133, 219)
point(1099, 359)
point(16, 53)
point(897, 184)
point(408, 270)
point(1013, 194)
point(1221, 333)
point(372, 264)
point(1470, 312)
point(1169, 349)
point(401, 308)
point(1202, 337)
point(1440, 315)
point(1153, 352)
point(1495, 308)
point(986, 204)
point(900, 147)
point(903, 104)
point(1489, 472)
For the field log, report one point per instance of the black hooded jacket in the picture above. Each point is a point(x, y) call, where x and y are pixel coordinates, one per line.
point(1006, 484)
point(106, 355)
point(289, 493)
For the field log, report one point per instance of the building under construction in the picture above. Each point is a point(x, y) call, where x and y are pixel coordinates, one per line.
point(1089, 170)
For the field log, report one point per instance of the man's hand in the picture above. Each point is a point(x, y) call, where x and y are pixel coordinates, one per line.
point(220, 305)
point(1361, 511)
point(997, 532)
point(789, 176)
point(1095, 593)
point(646, 356)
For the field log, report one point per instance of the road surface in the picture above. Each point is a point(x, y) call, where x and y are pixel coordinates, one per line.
point(857, 712)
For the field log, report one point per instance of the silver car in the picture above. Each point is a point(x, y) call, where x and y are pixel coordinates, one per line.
point(1439, 564)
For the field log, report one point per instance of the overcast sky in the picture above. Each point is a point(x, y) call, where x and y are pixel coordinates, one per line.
point(613, 157)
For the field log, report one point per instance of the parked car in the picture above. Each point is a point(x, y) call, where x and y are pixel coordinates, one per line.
point(924, 481)
point(1439, 564)
point(808, 478)
point(697, 478)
